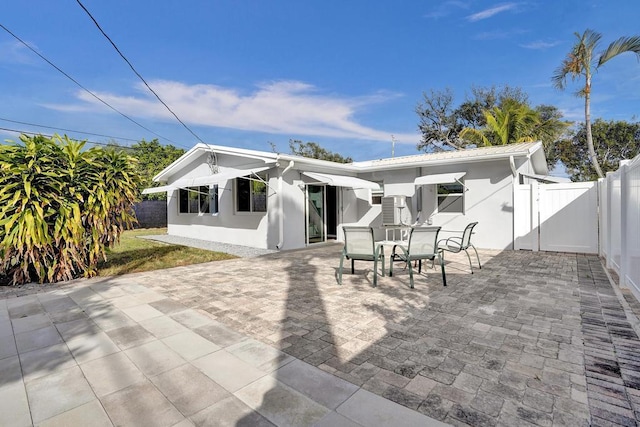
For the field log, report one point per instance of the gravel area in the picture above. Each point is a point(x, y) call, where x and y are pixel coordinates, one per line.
point(238, 250)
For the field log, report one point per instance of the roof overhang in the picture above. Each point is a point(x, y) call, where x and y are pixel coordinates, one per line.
point(342, 180)
point(441, 178)
point(546, 178)
point(207, 180)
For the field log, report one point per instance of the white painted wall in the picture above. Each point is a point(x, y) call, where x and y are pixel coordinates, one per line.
point(489, 200)
point(228, 226)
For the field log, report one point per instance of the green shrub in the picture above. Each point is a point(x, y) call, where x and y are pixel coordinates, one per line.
point(61, 206)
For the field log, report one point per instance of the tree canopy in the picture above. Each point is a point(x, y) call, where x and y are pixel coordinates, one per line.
point(153, 158)
point(441, 121)
point(614, 141)
point(492, 116)
point(315, 151)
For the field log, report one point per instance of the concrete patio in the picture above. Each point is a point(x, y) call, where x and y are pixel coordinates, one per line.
point(531, 339)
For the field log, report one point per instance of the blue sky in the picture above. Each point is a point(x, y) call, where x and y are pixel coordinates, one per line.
point(345, 74)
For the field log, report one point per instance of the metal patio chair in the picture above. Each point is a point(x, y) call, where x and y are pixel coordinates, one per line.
point(422, 245)
point(360, 246)
point(461, 243)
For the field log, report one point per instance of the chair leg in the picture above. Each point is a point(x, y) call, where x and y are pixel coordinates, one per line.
point(391, 259)
point(469, 258)
point(375, 272)
point(410, 273)
point(419, 266)
point(353, 270)
point(444, 275)
point(340, 270)
point(474, 249)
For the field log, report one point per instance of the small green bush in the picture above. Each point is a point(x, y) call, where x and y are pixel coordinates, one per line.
point(61, 206)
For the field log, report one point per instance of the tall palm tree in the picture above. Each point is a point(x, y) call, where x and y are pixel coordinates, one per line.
point(579, 63)
point(510, 123)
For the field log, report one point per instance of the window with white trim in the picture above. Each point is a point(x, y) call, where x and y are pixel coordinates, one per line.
point(376, 195)
point(450, 198)
point(251, 194)
point(198, 200)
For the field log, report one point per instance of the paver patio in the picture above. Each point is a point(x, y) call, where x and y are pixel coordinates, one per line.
point(531, 339)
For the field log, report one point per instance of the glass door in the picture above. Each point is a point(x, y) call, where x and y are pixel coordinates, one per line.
point(316, 214)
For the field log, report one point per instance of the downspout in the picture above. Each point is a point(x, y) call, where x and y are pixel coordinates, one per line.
point(512, 163)
point(281, 205)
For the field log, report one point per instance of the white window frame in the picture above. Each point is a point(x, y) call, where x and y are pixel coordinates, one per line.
point(461, 194)
point(261, 177)
point(201, 195)
point(377, 194)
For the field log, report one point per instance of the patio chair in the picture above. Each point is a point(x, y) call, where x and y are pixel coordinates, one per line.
point(360, 246)
point(423, 244)
point(461, 243)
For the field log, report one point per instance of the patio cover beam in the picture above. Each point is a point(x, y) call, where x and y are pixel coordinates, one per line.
point(209, 179)
point(441, 178)
point(342, 180)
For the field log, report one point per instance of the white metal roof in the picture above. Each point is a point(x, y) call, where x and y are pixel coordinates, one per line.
point(481, 153)
point(531, 150)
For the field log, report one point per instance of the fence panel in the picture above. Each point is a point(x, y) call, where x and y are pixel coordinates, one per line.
point(569, 217)
point(632, 227)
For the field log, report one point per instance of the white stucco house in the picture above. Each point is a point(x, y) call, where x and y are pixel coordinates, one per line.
point(280, 201)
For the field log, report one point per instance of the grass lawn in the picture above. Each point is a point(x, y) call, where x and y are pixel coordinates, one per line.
point(134, 255)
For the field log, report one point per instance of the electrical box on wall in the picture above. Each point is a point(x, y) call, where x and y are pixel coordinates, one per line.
point(396, 210)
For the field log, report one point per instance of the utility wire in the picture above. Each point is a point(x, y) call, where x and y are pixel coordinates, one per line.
point(122, 147)
point(136, 72)
point(67, 130)
point(82, 87)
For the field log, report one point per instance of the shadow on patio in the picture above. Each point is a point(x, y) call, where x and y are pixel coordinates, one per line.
point(501, 345)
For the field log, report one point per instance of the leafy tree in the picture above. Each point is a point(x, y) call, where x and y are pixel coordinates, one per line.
point(61, 206)
point(153, 158)
point(315, 151)
point(441, 122)
point(578, 64)
point(516, 122)
point(614, 141)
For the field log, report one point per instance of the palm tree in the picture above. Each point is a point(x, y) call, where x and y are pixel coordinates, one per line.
point(579, 62)
point(512, 122)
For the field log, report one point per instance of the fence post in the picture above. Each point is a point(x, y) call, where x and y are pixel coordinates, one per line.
point(535, 217)
point(624, 201)
point(609, 218)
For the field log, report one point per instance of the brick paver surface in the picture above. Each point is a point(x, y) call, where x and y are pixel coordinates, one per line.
point(530, 339)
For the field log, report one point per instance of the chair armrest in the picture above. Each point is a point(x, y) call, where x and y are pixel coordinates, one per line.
point(452, 244)
point(404, 250)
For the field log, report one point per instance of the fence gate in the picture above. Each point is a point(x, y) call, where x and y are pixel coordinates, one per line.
point(556, 217)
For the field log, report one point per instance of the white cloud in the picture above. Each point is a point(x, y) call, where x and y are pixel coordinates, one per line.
point(488, 13)
point(282, 107)
point(446, 8)
point(14, 52)
point(540, 45)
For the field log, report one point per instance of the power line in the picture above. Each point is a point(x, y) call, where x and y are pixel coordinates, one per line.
point(82, 87)
point(51, 136)
point(67, 130)
point(137, 73)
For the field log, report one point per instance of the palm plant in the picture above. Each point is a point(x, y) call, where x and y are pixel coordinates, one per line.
point(510, 123)
point(581, 61)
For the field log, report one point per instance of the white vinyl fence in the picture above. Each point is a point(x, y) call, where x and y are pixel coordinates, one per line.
point(620, 223)
point(556, 217)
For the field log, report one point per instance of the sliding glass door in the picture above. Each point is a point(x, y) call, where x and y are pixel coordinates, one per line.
point(316, 214)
